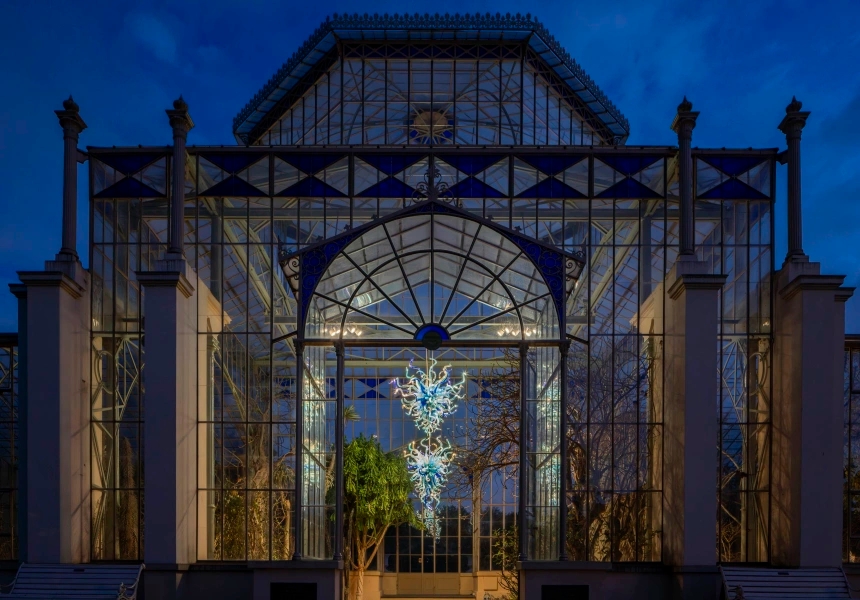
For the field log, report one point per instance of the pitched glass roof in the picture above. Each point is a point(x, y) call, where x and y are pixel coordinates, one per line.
point(417, 28)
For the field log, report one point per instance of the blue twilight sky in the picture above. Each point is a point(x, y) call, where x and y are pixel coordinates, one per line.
point(739, 62)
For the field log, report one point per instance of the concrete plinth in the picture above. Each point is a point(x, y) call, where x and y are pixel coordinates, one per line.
point(54, 414)
point(809, 313)
point(605, 581)
point(325, 575)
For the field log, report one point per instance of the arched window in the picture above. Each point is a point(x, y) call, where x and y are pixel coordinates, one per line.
point(434, 272)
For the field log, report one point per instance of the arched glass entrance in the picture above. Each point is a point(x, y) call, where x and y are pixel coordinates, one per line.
point(435, 285)
point(432, 272)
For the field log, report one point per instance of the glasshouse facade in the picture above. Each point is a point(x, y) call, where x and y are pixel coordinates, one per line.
point(430, 328)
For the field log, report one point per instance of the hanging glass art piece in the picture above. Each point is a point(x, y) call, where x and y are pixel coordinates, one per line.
point(429, 397)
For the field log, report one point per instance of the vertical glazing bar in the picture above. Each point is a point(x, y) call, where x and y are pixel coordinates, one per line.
point(300, 440)
point(338, 469)
point(523, 458)
point(563, 351)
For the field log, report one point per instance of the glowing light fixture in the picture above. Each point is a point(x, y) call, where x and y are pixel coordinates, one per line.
point(429, 397)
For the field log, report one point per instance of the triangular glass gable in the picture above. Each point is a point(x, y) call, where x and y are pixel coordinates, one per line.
point(337, 175)
point(129, 163)
point(286, 175)
point(154, 175)
point(414, 173)
point(209, 174)
point(628, 165)
point(388, 188)
point(525, 176)
point(604, 176)
point(732, 189)
point(313, 188)
point(364, 175)
point(311, 163)
point(628, 188)
point(552, 164)
point(470, 164)
point(231, 163)
point(472, 187)
point(576, 177)
point(104, 175)
point(550, 188)
point(233, 186)
point(257, 175)
point(497, 176)
point(758, 178)
point(129, 188)
point(388, 163)
point(733, 165)
point(652, 176)
point(707, 177)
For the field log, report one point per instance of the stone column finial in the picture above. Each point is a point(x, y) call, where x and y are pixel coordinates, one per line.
point(792, 126)
point(73, 125)
point(181, 123)
point(683, 124)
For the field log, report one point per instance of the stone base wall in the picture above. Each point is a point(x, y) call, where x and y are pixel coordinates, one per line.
point(604, 582)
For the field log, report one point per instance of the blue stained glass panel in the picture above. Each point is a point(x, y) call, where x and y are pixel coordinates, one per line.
point(129, 188)
point(628, 165)
point(311, 163)
point(551, 165)
point(388, 188)
point(232, 162)
point(129, 163)
point(551, 188)
point(629, 188)
point(470, 164)
point(732, 189)
point(390, 164)
point(474, 188)
point(312, 187)
point(233, 186)
point(733, 165)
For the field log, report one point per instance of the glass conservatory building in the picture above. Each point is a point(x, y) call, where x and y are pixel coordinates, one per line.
point(636, 392)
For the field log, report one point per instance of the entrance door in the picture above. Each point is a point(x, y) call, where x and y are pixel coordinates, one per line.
point(425, 564)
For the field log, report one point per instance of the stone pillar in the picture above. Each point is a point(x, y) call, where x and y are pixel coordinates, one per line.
point(54, 322)
point(181, 123)
point(170, 427)
point(54, 417)
point(683, 124)
point(691, 419)
point(170, 309)
point(72, 125)
point(809, 336)
point(792, 126)
point(691, 427)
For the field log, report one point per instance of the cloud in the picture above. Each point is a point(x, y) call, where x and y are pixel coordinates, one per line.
point(843, 129)
point(154, 35)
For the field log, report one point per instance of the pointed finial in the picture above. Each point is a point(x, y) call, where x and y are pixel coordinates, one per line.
point(180, 104)
point(794, 106)
point(685, 106)
point(70, 104)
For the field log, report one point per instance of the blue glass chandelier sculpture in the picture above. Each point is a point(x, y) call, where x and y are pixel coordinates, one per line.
point(429, 397)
